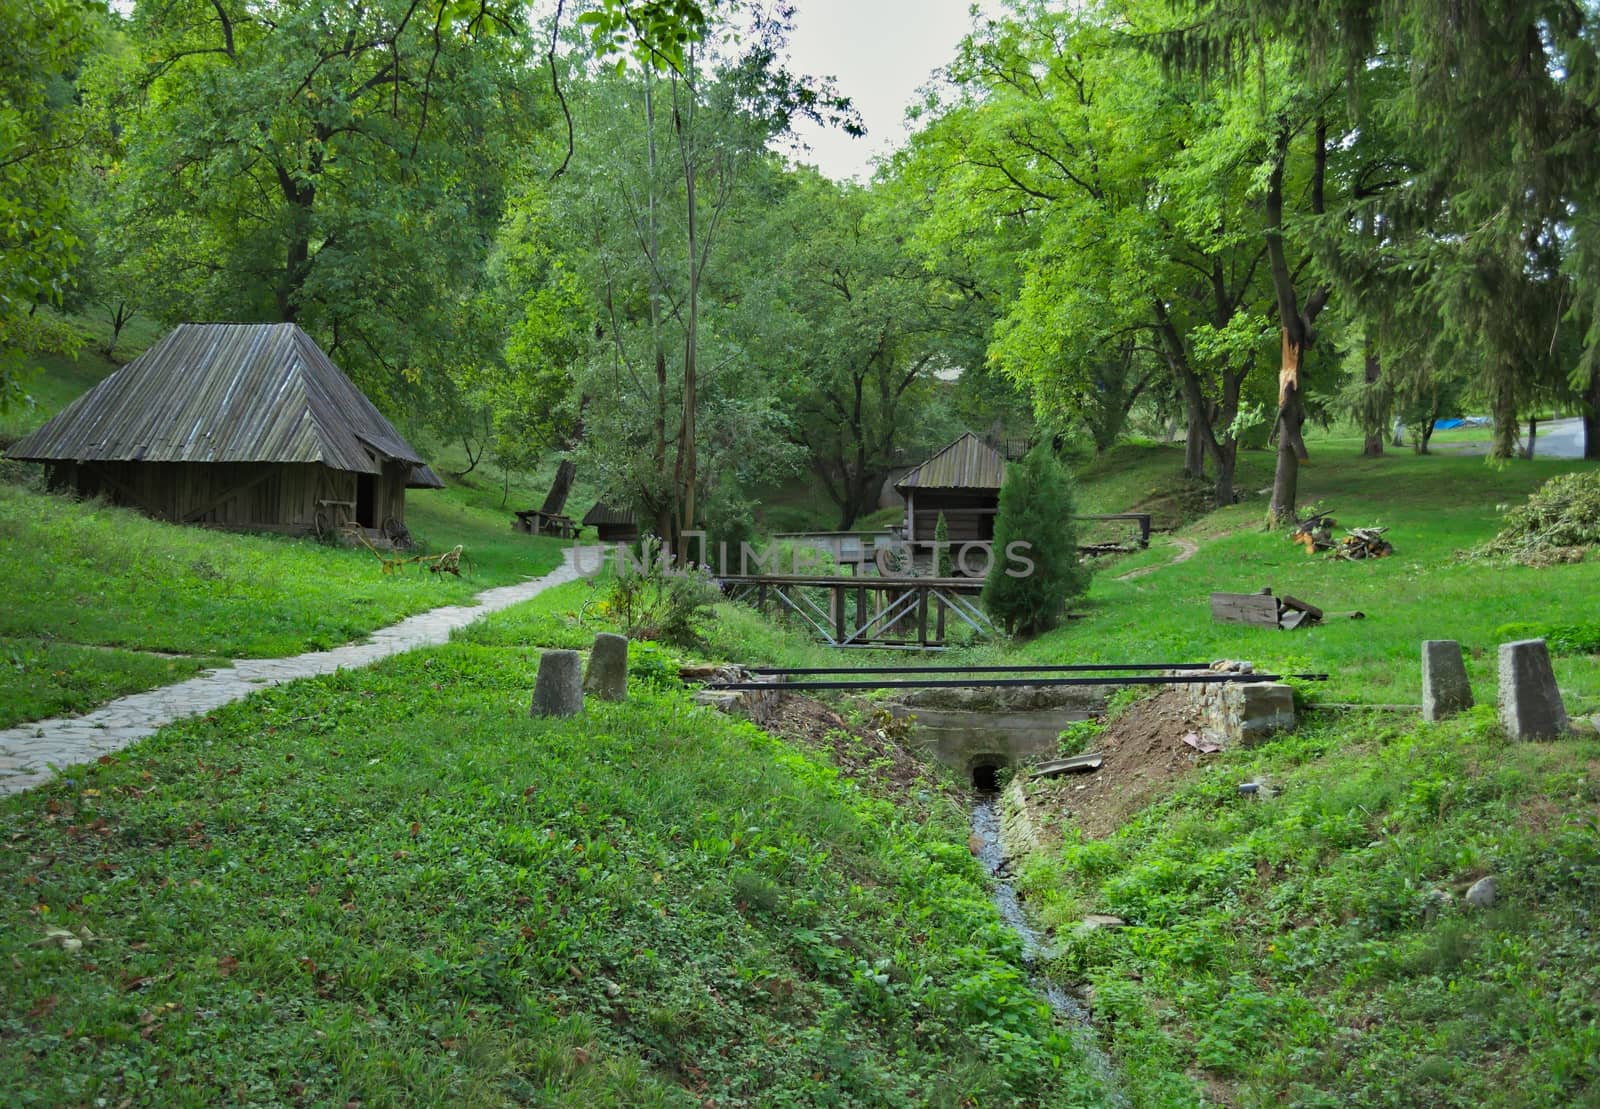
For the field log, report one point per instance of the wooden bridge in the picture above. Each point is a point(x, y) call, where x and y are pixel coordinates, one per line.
point(908, 613)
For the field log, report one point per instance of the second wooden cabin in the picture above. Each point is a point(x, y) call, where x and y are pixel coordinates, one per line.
point(962, 481)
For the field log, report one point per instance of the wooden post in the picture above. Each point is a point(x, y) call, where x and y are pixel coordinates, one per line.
point(939, 632)
point(861, 607)
point(922, 615)
point(761, 597)
point(841, 630)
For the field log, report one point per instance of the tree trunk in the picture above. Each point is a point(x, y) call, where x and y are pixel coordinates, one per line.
point(1591, 417)
point(1421, 438)
point(1373, 448)
point(1227, 460)
point(1286, 476)
point(1291, 447)
point(1533, 433)
point(1504, 410)
point(1194, 448)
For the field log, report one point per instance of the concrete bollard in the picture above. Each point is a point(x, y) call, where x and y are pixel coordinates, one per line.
point(1445, 689)
point(1530, 702)
point(558, 690)
point(607, 678)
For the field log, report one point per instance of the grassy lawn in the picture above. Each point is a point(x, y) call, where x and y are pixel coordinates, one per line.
point(87, 576)
point(40, 678)
point(1292, 951)
point(392, 887)
point(1435, 507)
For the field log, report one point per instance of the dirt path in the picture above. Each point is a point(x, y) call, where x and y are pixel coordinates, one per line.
point(1187, 549)
point(28, 751)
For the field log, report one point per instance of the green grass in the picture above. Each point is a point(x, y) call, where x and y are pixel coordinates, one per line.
point(391, 886)
point(86, 576)
point(40, 678)
point(51, 381)
point(1435, 507)
point(1290, 951)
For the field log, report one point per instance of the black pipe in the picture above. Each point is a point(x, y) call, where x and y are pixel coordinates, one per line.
point(986, 683)
point(1064, 667)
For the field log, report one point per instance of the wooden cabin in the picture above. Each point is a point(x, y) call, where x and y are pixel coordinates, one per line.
point(241, 426)
point(962, 481)
point(612, 525)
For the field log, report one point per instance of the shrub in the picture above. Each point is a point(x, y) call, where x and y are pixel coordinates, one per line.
point(1036, 505)
point(653, 600)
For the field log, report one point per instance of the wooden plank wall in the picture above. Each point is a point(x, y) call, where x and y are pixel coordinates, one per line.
point(282, 497)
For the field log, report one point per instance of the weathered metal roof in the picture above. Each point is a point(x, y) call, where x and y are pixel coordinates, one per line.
point(968, 463)
point(224, 393)
point(603, 513)
point(423, 477)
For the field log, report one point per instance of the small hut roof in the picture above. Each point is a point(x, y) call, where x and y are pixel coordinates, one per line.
point(423, 477)
point(603, 513)
point(968, 463)
point(225, 393)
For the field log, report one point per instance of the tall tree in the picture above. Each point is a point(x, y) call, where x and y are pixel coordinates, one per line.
point(865, 329)
point(1129, 227)
point(335, 166)
point(41, 134)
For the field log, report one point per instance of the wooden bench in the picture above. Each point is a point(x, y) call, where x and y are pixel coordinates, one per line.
point(1140, 518)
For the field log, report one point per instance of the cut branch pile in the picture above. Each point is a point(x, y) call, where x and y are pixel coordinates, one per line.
point(1560, 523)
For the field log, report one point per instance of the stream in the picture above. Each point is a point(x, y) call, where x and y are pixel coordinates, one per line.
point(986, 838)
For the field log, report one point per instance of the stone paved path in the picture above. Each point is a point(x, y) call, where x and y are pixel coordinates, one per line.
point(28, 750)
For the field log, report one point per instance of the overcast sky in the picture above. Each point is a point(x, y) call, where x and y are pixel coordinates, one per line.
point(881, 52)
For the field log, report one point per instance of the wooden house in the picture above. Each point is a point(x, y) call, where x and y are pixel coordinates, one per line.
point(242, 426)
point(612, 525)
point(962, 481)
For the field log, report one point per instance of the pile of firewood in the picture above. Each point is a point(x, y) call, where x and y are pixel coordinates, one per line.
point(1364, 543)
point(1315, 533)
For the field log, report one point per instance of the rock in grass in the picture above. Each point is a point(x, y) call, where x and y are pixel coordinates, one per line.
point(1530, 702)
point(1481, 894)
point(607, 678)
point(1436, 902)
point(1445, 689)
point(558, 690)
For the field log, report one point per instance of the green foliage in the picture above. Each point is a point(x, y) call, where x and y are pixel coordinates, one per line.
point(1561, 639)
point(393, 886)
point(40, 678)
point(1307, 948)
point(1079, 736)
point(279, 156)
point(652, 599)
point(1036, 507)
point(1563, 514)
point(40, 135)
point(945, 566)
point(90, 577)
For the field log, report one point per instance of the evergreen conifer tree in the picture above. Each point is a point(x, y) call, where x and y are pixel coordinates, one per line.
point(942, 565)
point(1036, 506)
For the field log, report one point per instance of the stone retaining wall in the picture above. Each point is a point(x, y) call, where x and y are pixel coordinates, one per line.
point(758, 706)
point(1240, 714)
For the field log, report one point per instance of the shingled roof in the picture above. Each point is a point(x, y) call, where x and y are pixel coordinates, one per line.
point(226, 393)
point(968, 463)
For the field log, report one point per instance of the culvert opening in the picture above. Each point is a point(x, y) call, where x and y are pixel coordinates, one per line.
point(986, 774)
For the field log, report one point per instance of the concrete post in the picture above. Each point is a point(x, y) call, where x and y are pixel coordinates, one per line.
point(607, 678)
point(558, 690)
point(1445, 689)
point(1530, 703)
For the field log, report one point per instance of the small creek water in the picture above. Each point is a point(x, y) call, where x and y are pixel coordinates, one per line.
point(990, 852)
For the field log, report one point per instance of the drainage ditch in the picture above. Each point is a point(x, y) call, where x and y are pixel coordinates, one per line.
point(991, 853)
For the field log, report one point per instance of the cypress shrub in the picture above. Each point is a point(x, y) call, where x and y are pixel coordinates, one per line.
point(1036, 507)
